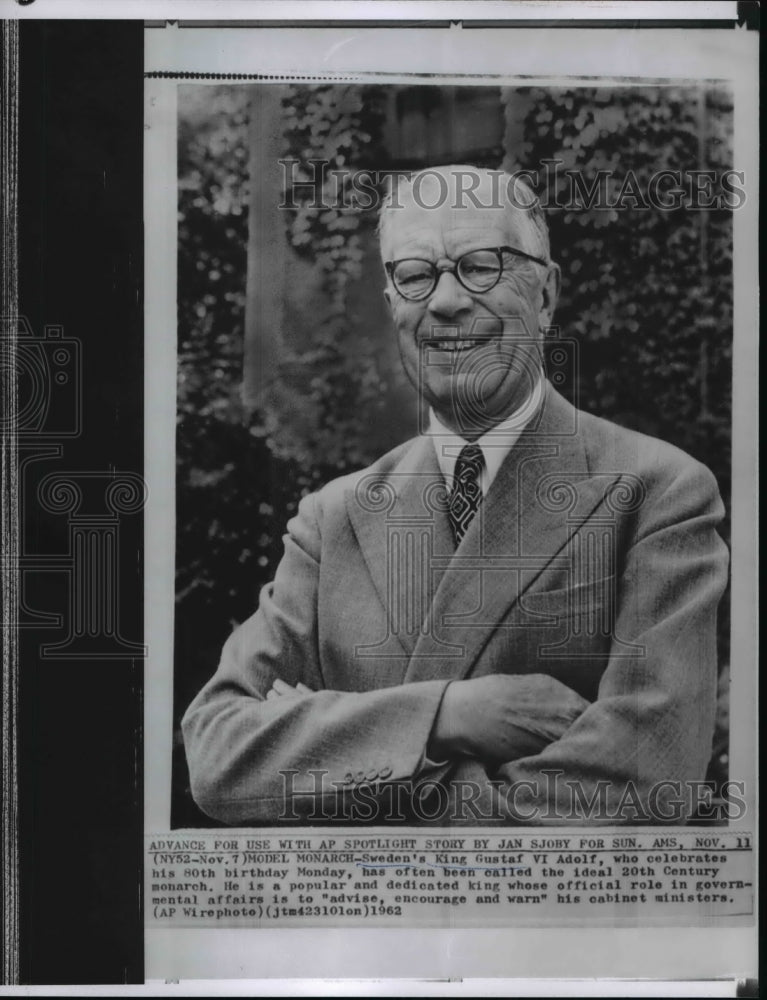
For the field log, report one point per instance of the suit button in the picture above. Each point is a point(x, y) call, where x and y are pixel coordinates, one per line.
point(348, 778)
point(359, 777)
point(372, 774)
point(384, 772)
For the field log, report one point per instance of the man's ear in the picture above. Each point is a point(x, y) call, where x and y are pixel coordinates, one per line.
point(549, 296)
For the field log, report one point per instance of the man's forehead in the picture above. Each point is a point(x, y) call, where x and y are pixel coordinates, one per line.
point(413, 220)
point(455, 205)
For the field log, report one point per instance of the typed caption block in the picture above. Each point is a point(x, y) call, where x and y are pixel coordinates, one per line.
point(249, 878)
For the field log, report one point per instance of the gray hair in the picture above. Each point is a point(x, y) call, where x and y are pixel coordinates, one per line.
point(519, 195)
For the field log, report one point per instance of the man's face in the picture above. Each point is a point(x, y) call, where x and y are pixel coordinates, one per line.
point(474, 356)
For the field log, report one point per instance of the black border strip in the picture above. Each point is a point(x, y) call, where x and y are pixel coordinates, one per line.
point(81, 716)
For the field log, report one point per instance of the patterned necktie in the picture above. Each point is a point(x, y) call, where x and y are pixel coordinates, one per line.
point(466, 494)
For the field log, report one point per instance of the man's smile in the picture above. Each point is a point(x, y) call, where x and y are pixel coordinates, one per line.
point(456, 346)
point(454, 341)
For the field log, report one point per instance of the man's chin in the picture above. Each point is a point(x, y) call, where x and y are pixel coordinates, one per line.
point(466, 411)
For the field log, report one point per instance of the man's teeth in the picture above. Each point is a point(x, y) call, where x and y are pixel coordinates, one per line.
point(455, 345)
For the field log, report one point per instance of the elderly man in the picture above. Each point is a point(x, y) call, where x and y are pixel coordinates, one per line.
point(509, 618)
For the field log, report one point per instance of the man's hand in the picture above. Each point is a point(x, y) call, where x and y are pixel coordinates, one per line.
point(280, 689)
point(495, 718)
point(502, 717)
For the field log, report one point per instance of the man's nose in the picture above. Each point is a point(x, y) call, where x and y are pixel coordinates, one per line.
point(449, 296)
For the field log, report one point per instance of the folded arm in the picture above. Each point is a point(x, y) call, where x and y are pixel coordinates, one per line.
point(265, 737)
point(256, 756)
point(259, 752)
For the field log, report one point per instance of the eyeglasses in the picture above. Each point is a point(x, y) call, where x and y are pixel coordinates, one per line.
point(477, 271)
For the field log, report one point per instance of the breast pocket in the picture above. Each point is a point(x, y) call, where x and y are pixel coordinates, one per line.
point(569, 622)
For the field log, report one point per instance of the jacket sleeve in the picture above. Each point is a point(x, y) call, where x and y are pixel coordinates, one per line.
point(258, 760)
point(629, 756)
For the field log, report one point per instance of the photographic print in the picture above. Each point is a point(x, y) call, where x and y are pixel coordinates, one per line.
point(372, 279)
point(378, 495)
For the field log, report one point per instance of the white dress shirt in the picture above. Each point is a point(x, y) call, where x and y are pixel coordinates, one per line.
point(495, 443)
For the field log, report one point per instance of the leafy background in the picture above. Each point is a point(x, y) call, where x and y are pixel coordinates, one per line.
point(647, 294)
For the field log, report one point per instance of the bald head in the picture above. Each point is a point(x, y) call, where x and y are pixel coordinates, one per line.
point(453, 193)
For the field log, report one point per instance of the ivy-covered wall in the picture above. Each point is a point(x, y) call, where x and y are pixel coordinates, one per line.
point(647, 296)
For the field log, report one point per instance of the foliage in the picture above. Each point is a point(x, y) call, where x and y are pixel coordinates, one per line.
point(324, 122)
point(231, 504)
point(646, 292)
point(346, 375)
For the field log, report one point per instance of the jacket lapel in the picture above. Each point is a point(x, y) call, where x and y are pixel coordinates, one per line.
point(402, 528)
point(540, 496)
point(442, 604)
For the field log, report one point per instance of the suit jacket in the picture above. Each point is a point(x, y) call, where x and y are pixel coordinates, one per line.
point(593, 567)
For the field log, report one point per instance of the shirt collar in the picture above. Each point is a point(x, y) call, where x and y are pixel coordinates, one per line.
point(495, 443)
